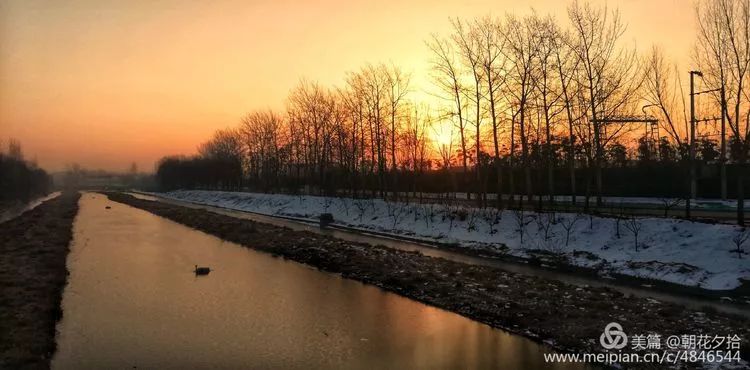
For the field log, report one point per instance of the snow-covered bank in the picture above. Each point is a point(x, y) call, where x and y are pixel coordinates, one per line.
point(677, 251)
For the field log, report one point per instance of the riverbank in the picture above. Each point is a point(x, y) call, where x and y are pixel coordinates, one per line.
point(33, 251)
point(567, 317)
point(694, 255)
point(15, 209)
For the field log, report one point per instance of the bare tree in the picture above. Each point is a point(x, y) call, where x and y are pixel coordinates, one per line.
point(520, 217)
point(634, 225)
point(491, 44)
point(566, 64)
point(544, 222)
point(521, 49)
point(669, 203)
point(225, 147)
point(659, 88)
point(469, 43)
point(447, 77)
point(415, 144)
point(311, 108)
point(397, 86)
point(608, 73)
point(723, 52)
point(739, 238)
point(492, 217)
point(262, 137)
point(396, 211)
point(548, 92)
point(569, 223)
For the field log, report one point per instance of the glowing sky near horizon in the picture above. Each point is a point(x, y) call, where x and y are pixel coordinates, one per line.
point(106, 83)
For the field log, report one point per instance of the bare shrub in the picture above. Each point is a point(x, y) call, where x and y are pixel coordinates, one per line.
point(361, 205)
point(396, 211)
point(471, 219)
point(492, 217)
point(739, 238)
point(520, 218)
point(428, 214)
point(634, 225)
point(344, 204)
point(448, 213)
point(669, 203)
point(544, 222)
point(569, 223)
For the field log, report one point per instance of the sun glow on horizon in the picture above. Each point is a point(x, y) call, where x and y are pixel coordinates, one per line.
point(442, 134)
point(92, 81)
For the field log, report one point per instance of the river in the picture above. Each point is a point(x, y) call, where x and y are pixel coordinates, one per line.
point(132, 301)
point(697, 303)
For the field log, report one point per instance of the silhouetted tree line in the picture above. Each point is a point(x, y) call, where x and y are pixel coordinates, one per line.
point(645, 170)
point(217, 166)
point(525, 105)
point(198, 173)
point(20, 180)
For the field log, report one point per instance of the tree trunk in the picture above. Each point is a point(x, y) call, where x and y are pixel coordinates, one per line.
point(511, 163)
point(741, 186)
point(499, 190)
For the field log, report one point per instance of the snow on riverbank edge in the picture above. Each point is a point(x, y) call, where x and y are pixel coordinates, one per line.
point(672, 250)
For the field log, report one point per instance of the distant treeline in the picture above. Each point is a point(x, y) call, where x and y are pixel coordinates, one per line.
point(76, 177)
point(179, 172)
point(20, 180)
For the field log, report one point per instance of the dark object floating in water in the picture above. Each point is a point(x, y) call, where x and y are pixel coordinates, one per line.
point(107, 207)
point(325, 219)
point(201, 270)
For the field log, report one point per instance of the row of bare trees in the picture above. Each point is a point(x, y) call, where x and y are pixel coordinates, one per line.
point(532, 81)
point(20, 179)
point(514, 92)
point(330, 139)
point(722, 53)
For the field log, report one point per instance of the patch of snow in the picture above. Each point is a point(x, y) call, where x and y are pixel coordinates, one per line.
point(672, 250)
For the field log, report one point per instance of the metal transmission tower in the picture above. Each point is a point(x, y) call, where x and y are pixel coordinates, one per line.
point(652, 126)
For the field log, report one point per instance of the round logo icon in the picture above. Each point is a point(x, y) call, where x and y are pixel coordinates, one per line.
point(613, 337)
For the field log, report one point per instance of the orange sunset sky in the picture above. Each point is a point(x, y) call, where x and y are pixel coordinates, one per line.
point(106, 83)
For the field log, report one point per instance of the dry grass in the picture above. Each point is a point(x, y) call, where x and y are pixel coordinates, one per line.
point(33, 250)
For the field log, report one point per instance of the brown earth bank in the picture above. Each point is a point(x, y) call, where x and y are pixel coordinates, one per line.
point(33, 251)
point(567, 317)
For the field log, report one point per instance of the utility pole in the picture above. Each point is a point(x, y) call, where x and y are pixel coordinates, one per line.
point(723, 159)
point(692, 186)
